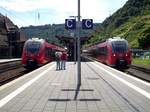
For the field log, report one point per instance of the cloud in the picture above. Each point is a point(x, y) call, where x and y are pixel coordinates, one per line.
point(98, 10)
point(29, 5)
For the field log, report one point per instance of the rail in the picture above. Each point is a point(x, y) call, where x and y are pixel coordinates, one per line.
point(141, 68)
point(5, 66)
point(9, 61)
point(10, 70)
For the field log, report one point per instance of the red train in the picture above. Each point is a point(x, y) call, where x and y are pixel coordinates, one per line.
point(37, 52)
point(114, 52)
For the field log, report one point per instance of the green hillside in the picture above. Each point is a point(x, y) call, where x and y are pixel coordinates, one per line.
point(132, 22)
point(46, 31)
point(49, 32)
point(136, 30)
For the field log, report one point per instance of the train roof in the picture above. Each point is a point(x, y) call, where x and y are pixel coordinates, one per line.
point(107, 40)
point(116, 39)
point(36, 40)
point(110, 40)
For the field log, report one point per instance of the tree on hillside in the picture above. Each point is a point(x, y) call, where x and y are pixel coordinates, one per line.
point(144, 40)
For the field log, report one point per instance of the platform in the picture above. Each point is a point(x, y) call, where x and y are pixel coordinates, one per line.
point(9, 60)
point(103, 89)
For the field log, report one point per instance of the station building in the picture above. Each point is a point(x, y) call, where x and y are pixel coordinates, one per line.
point(11, 39)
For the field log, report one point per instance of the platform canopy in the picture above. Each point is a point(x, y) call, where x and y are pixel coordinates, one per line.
point(69, 39)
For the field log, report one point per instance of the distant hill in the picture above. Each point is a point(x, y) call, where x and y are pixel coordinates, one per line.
point(49, 32)
point(132, 22)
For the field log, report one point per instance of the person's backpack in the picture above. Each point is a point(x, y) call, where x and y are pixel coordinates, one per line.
point(57, 57)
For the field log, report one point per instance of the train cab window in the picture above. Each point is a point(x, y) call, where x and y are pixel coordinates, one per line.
point(119, 46)
point(33, 47)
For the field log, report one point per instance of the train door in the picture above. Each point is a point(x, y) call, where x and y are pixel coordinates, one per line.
point(105, 54)
point(48, 54)
point(102, 54)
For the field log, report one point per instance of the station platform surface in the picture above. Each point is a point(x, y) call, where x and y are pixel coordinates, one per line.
point(102, 89)
point(9, 60)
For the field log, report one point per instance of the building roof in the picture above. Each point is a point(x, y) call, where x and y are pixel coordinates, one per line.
point(7, 23)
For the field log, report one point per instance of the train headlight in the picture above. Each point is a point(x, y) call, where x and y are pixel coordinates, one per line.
point(126, 54)
point(114, 54)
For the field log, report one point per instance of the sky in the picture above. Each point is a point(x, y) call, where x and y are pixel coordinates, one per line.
point(41, 12)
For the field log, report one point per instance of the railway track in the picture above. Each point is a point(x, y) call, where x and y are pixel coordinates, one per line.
point(140, 72)
point(10, 71)
point(9, 66)
point(143, 69)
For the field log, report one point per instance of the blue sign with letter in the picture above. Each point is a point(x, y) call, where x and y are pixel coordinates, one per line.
point(70, 24)
point(87, 23)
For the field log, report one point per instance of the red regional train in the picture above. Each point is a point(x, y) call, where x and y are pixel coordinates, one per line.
point(37, 52)
point(114, 52)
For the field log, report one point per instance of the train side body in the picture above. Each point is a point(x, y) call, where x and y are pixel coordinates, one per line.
point(37, 52)
point(113, 52)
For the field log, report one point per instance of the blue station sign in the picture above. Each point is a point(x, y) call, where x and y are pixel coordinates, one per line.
point(70, 24)
point(87, 23)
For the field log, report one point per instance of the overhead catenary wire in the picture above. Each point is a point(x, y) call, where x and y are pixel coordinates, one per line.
point(6, 12)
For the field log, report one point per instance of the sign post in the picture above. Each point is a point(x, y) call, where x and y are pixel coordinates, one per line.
point(71, 24)
point(78, 44)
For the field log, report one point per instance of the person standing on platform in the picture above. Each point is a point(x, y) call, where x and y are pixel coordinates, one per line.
point(63, 60)
point(57, 58)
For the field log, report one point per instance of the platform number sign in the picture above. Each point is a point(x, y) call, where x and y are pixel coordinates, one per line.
point(70, 24)
point(87, 23)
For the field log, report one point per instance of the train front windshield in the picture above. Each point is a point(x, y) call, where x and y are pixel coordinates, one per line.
point(33, 47)
point(119, 46)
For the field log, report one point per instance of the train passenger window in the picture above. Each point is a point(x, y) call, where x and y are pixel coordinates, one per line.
point(53, 53)
point(102, 51)
point(48, 52)
point(33, 47)
point(105, 50)
point(119, 46)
